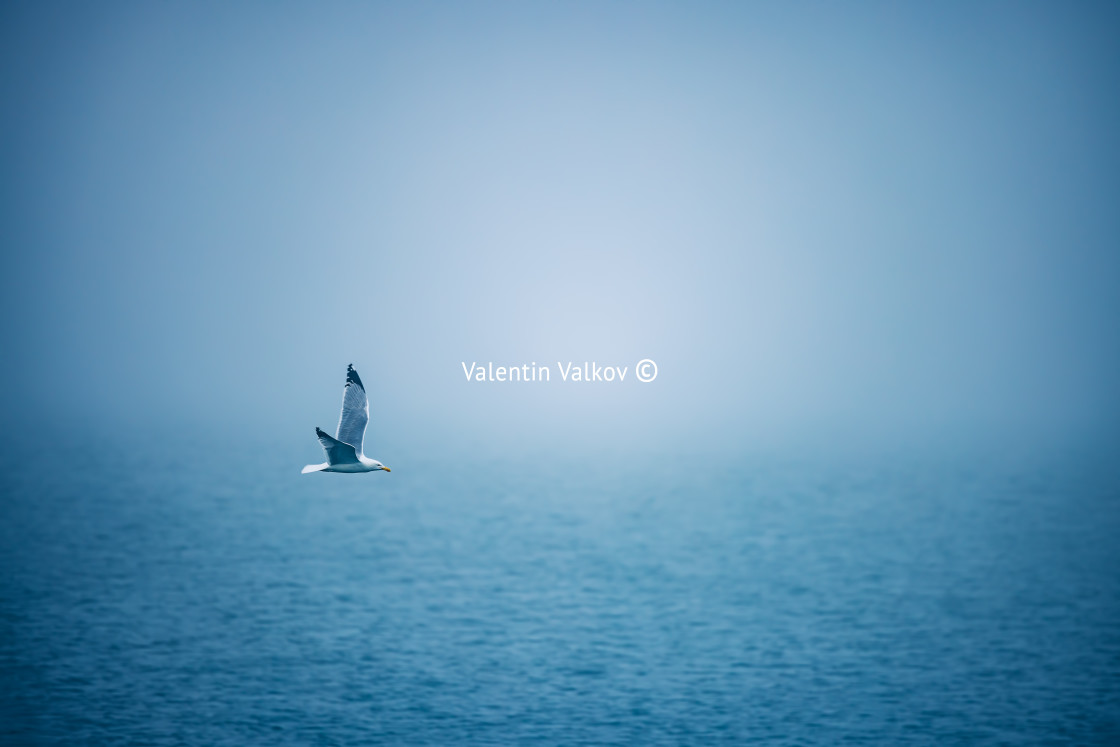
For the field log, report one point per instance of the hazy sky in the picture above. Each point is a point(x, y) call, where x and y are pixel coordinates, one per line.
point(864, 217)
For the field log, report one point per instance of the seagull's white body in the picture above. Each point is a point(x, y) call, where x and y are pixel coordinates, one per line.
point(344, 451)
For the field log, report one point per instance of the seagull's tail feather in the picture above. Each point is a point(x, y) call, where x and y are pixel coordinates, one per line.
point(315, 468)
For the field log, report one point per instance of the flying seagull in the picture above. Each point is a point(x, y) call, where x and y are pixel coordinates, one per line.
point(344, 451)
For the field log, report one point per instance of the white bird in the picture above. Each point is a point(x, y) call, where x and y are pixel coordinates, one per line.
point(344, 451)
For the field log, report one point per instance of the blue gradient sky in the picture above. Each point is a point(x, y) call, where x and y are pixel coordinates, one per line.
point(872, 219)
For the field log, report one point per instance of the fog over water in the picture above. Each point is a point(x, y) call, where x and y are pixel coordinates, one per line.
point(872, 494)
point(862, 222)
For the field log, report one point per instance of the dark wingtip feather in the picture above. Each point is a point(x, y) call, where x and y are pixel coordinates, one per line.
point(352, 377)
point(319, 431)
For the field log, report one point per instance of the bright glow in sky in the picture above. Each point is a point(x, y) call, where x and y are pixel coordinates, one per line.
point(877, 217)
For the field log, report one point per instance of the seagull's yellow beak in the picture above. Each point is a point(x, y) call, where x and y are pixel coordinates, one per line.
point(386, 468)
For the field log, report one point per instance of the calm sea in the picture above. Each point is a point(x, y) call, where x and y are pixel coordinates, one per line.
point(151, 595)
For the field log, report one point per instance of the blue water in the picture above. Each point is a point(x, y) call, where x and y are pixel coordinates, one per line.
point(924, 600)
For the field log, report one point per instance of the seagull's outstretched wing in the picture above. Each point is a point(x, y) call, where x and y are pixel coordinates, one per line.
point(337, 452)
point(355, 411)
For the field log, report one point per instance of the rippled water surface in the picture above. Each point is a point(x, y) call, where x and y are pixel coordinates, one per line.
point(782, 600)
